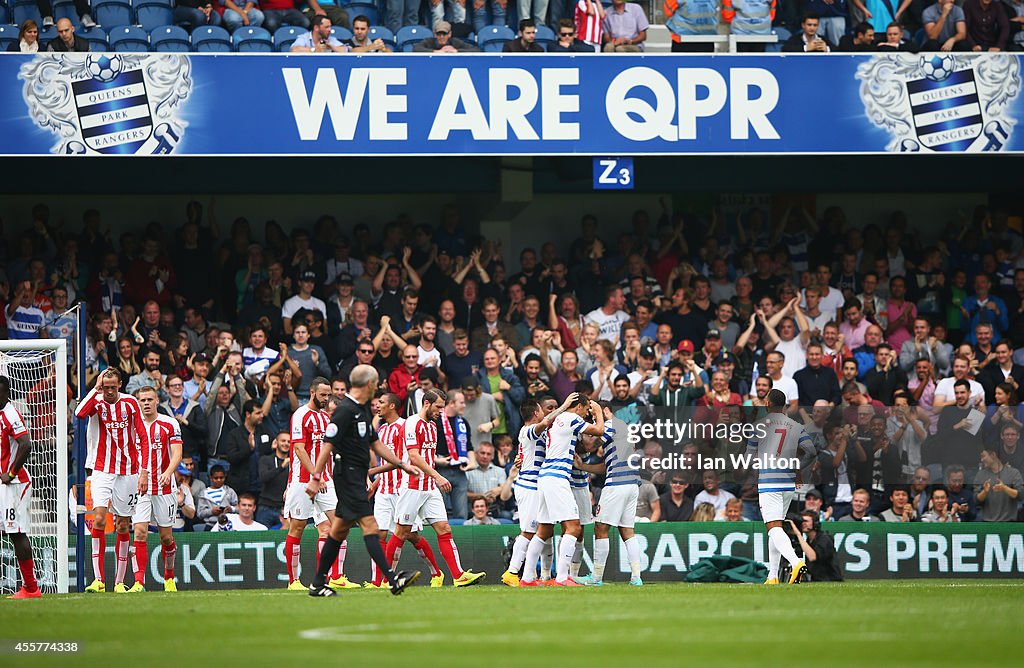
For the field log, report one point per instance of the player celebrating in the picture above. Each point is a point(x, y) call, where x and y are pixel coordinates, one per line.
point(159, 503)
point(16, 489)
point(537, 417)
point(308, 425)
point(557, 504)
point(784, 439)
point(579, 482)
point(618, 499)
point(350, 433)
point(389, 484)
point(116, 435)
point(420, 496)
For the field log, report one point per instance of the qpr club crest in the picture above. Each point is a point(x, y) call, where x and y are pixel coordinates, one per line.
point(941, 102)
point(109, 104)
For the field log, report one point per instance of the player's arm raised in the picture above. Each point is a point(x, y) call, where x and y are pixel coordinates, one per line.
point(549, 419)
point(597, 428)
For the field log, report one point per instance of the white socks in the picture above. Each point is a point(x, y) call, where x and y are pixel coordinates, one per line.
point(566, 548)
point(633, 554)
point(601, 548)
point(778, 539)
point(546, 557)
point(529, 573)
point(519, 553)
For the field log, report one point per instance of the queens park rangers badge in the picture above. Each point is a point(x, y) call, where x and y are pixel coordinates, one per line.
point(109, 104)
point(941, 102)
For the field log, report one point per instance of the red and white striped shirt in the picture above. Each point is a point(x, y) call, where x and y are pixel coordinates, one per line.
point(307, 429)
point(163, 433)
point(588, 26)
point(117, 433)
point(421, 435)
point(12, 427)
point(393, 436)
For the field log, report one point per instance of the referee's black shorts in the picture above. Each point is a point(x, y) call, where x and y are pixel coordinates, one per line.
point(350, 484)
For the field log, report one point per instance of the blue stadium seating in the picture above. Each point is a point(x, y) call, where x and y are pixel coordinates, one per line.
point(545, 36)
point(493, 38)
point(783, 35)
point(24, 10)
point(151, 14)
point(409, 36)
point(341, 33)
point(249, 39)
point(211, 39)
point(47, 35)
point(8, 36)
point(112, 13)
point(170, 39)
point(5, 15)
point(285, 35)
point(97, 38)
point(65, 9)
point(129, 39)
point(367, 9)
point(380, 32)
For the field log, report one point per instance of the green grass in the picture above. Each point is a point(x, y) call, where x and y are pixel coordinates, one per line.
point(872, 624)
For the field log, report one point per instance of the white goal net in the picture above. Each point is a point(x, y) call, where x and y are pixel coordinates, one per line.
point(38, 373)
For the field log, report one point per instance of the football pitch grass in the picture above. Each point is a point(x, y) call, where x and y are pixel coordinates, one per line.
point(868, 623)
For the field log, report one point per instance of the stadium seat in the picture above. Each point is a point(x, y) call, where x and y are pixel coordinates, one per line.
point(493, 38)
point(783, 35)
point(285, 35)
point(211, 39)
point(97, 38)
point(341, 33)
point(456, 521)
point(919, 37)
point(409, 36)
point(129, 39)
point(47, 35)
point(380, 32)
point(248, 39)
point(112, 13)
point(367, 9)
point(151, 14)
point(8, 36)
point(545, 36)
point(65, 9)
point(24, 10)
point(170, 39)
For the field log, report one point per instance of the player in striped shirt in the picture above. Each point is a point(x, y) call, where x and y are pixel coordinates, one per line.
point(589, 21)
point(116, 436)
point(387, 487)
point(784, 440)
point(579, 482)
point(159, 503)
point(16, 489)
point(537, 417)
point(420, 496)
point(558, 505)
point(308, 426)
point(618, 499)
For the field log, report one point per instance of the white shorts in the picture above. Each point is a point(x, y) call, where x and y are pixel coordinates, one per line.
point(414, 504)
point(528, 502)
point(774, 505)
point(584, 504)
point(298, 505)
point(385, 511)
point(618, 505)
point(557, 503)
point(15, 504)
point(118, 492)
point(158, 509)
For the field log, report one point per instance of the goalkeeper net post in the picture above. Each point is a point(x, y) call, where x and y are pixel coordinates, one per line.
point(38, 371)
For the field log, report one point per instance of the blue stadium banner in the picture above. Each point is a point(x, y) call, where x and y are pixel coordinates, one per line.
point(404, 104)
point(613, 174)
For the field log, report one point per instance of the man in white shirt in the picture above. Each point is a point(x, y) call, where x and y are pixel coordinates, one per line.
point(944, 390)
point(610, 317)
point(243, 519)
point(775, 361)
point(303, 300)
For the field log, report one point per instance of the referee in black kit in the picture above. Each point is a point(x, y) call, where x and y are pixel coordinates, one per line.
point(350, 436)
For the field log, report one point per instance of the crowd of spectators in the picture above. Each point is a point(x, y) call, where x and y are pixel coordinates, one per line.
point(895, 348)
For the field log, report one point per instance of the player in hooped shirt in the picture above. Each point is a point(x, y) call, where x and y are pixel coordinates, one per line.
point(420, 496)
point(387, 487)
point(16, 489)
point(159, 503)
point(537, 417)
point(116, 436)
point(308, 426)
point(558, 505)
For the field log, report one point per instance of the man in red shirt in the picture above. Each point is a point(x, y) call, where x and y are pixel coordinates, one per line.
point(406, 378)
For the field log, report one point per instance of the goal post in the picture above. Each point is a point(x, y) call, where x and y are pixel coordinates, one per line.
point(38, 371)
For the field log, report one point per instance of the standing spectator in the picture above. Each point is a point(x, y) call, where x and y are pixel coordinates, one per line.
point(988, 29)
point(880, 13)
point(984, 307)
point(808, 40)
point(855, 326)
point(303, 300)
point(526, 41)
point(750, 17)
point(241, 445)
point(24, 319)
point(537, 10)
point(281, 12)
point(312, 360)
point(504, 386)
point(625, 28)
point(648, 504)
point(589, 22)
point(150, 375)
point(453, 457)
point(998, 488)
point(610, 317)
point(482, 413)
point(674, 504)
point(195, 13)
point(945, 27)
point(885, 377)
point(691, 17)
point(816, 381)
point(150, 276)
point(274, 470)
point(190, 416)
point(488, 482)
point(406, 377)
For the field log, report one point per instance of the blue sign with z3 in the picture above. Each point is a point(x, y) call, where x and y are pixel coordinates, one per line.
point(613, 174)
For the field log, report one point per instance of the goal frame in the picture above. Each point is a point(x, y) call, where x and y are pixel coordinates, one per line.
point(60, 349)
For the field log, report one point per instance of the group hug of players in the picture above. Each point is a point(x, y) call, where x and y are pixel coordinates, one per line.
point(134, 451)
